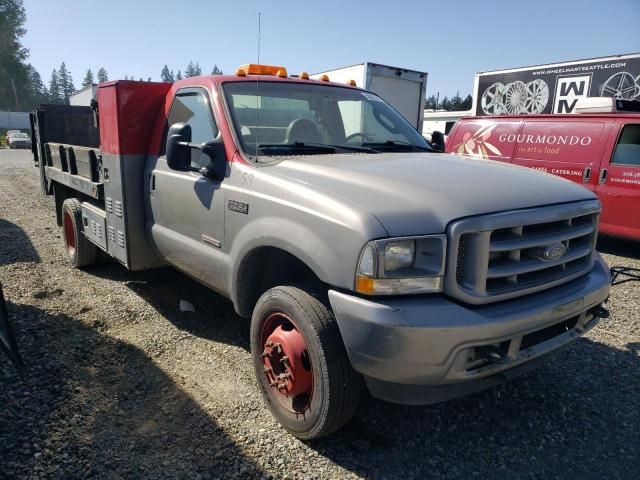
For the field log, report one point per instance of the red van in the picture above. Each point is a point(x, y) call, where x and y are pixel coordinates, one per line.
point(601, 151)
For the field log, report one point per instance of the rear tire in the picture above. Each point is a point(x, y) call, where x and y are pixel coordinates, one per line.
point(328, 399)
point(79, 251)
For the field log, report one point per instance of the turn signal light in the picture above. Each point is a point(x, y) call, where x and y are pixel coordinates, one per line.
point(255, 69)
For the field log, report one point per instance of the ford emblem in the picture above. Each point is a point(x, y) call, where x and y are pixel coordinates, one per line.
point(553, 252)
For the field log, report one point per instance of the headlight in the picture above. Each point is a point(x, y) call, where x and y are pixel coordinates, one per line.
point(401, 266)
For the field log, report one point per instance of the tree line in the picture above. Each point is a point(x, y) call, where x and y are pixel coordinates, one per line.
point(21, 86)
point(454, 103)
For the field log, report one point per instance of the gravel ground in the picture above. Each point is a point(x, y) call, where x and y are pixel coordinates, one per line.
point(123, 385)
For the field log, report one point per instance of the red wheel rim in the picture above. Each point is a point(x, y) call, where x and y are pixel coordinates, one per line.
point(69, 234)
point(286, 363)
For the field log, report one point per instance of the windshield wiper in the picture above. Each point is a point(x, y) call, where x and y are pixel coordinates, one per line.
point(299, 146)
point(321, 147)
point(396, 144)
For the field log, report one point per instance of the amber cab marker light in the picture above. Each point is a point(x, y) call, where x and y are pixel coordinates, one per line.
point(324, 78)
point(351, 82)
point(304, 75)
point(255, 69)
point(240, 72)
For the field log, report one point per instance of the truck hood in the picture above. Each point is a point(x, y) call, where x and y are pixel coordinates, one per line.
point(420, 193)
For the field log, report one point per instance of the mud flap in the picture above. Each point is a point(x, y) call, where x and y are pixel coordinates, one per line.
point(7, 340)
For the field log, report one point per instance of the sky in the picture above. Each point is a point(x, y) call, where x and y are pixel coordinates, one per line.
point(451, 40)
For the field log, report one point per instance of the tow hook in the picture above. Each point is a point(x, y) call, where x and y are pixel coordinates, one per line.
point(493, 354)
point(600, 312)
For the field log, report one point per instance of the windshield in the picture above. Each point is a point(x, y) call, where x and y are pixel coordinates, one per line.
point(294, 118)
point(19, 135)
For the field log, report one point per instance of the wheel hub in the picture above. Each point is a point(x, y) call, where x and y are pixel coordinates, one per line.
point(286, 361)
point(69, 234)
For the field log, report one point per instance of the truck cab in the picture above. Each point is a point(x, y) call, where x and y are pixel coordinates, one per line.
point(362, 257)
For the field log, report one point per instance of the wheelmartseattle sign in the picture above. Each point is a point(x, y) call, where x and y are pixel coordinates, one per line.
point(556, 88)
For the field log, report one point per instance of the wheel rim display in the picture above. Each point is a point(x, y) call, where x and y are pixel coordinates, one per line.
point(515, 97)
point(69, 235)
point(493, 99)
point(286, 363)
point(621, 85)
point(537, 96)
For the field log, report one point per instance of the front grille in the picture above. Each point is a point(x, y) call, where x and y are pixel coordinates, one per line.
point(501, 256)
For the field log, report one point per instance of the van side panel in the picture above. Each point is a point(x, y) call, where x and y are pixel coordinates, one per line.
point(492, 139)
point(619, 185)
point(564, 148)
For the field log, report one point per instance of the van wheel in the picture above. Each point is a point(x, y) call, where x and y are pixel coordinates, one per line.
point(79, 251)
point(301, 364)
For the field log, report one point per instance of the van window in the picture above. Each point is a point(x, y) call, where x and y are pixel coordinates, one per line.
point(559, 141)
point(628, 147)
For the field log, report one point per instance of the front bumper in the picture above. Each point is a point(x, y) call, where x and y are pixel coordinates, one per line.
point(418, 350)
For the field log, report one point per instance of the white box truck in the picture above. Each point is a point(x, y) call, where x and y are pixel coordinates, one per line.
point(404, 89)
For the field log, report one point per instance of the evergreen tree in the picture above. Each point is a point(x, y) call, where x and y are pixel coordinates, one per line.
point(66, 82)
point(445, 103)
point(178, 75)
point(216, 70)
point(456, 101)
point(13, 56)
point(190, 71)
point(55, 95)
point(37, 93)
point(166, 75)
point(88, 79)
point(431, 102)
point(102, 75)
point(467, 103)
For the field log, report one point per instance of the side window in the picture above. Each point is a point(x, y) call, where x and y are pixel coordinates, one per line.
point(628, 148)
point(193, 109)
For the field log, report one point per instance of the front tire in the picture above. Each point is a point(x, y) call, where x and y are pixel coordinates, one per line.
point(301, 364)
point(79, 251)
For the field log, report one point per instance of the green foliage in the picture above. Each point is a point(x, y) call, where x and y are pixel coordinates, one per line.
point(455, 103)
point(216, 70)
point(88, 79)
point(178, 75)
point(166, 75)
point(103, 76)
point(193, 70)
point(13, 67)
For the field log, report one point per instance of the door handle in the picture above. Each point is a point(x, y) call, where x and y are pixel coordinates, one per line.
point(153, 182)
point(602, 177)
point(586, 176)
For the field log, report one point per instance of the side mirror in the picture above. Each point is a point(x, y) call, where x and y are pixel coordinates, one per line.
point(437, 141)
point(178, 150)
point(217, 167)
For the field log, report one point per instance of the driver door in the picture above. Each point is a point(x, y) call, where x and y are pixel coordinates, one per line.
point(187, 208)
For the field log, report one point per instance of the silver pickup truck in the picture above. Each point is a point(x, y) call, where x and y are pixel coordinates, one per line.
point(362, 257)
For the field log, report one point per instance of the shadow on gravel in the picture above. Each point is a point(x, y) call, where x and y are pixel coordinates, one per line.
point(15, 245)
point(94, 406)
point(577, 417)
point(619, 246)
point(163, 289)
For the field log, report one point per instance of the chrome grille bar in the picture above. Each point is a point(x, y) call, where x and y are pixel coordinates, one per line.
point(501, 256)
